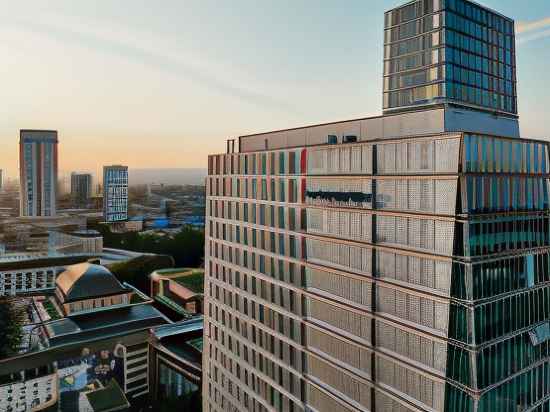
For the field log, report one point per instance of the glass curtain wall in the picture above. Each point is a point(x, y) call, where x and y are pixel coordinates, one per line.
point(499, 318)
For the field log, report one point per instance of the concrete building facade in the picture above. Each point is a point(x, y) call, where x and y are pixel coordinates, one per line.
point(38, 172)
point(33, 274)
point(81, 188)
point(30, 280)
point(394, 263)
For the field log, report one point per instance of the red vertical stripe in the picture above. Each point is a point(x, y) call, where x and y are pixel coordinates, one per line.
point(303, 161)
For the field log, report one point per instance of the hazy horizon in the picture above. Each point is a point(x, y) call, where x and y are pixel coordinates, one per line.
point(168, 176)
point(139, 176)
point(155, 175)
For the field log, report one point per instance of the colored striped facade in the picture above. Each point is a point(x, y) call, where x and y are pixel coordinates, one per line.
point(408, 273)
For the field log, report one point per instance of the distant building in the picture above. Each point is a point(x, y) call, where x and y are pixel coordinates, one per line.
point(1, 179)
point(96, 201)
point(38, 172)
point(79, 241)
point(168, 206)
point(195, 220)
point(115, 193)
point(81, 188)
point(134, 225)
point(32, 234)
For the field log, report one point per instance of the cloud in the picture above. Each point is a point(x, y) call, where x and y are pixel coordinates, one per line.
point(533, 36)
point(527, 26)
point(154, 52)
point(528, 31)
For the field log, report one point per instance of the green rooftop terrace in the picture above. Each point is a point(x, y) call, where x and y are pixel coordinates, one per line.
point(193, 281)
point(190, 278)
point(177, 271)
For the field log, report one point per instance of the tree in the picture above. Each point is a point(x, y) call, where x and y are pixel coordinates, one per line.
point(11, 323)
point(136, 271)
point(186, 246)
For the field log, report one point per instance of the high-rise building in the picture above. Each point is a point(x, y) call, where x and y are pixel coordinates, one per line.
point(449, 51)
point(393, 263)
point(1, 179)
point(115, 193)
point(38, 172)
point(81, 188)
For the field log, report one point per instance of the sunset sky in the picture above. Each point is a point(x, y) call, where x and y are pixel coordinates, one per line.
point(164, 83)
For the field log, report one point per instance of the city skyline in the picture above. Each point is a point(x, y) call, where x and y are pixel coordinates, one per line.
point(112, 79)
point(315, 206)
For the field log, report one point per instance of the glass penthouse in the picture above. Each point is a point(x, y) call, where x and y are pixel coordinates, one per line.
point(394, 263)
point(449, 51)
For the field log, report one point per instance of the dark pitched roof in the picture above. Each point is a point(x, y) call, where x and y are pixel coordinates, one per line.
point(87, 281)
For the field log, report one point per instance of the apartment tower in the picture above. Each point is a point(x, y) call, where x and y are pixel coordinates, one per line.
point(394, 263)
point(81, 188)
point(38, 172)
point(115, 193)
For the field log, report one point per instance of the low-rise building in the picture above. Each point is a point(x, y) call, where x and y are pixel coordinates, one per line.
point(180, 290)
point(31, 391)
point(86, 288)
point(32, 273)
point(100, 335)
point(94, 344)
point(33, 234)
point(79, 241)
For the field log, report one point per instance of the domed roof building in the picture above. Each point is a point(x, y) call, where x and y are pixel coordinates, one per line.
point(85, 286)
